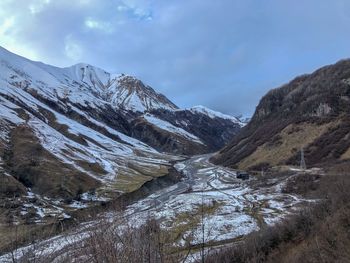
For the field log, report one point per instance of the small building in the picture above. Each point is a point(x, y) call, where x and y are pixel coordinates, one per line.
point(242, 175)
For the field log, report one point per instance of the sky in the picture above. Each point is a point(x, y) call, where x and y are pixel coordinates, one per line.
point(223, 54)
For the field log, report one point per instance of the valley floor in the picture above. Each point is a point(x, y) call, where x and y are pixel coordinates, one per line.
point(208, 209)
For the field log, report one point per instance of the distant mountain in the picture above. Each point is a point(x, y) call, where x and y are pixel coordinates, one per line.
point(129, 93)
point(310, 112)
point(115, 100)
point(215, 114)
point(212, 128)
point(69, 133)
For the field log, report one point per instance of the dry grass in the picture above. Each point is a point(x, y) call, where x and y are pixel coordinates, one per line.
point(35, 167)
point(115, 242)
point(346, 155)
point(284, 145)
point(153, 170)
point(187, 222)
point(127, 182)
point(134, 175)
point(119, 241)
point(14, 236)
point(10, 187)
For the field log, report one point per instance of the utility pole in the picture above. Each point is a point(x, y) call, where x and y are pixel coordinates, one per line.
point(302, 159)
point(203, 229)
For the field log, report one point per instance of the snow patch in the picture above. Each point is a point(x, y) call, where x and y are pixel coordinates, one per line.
point(164, 125)
point(215, 114)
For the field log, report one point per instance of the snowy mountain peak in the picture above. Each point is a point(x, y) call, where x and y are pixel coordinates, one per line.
point(81, 84)
point(215, 114)
point(90, 75)
point(130, 93)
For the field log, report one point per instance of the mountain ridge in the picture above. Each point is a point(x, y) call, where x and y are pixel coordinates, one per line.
point(68, 133)
point(309, 112)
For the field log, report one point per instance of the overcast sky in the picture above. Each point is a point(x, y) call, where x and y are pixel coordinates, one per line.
point(224, 54)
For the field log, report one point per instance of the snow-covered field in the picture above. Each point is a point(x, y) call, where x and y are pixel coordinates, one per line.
point(209, 202)
point(235, 208)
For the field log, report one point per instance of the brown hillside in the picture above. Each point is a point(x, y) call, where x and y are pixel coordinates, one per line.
point(312, 111)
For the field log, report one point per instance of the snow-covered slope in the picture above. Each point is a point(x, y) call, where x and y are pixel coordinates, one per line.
point(82, 133)
point(213, 130)
point(94, 94)
point(84, 119)
point(164, 125)
point(82, 84)
point(215, 114)
point(44, 121)
point(47, 154)
point(66, 115)
point(129, 93)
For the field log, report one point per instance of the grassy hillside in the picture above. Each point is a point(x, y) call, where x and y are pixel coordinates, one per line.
point(310, 112)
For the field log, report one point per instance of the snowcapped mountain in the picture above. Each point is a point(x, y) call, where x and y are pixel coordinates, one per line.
point(48, 103)
point(87, 94)
point(77, 131)
point(82, 84)
point(215, 114)
point(214, 131)
point(129, 93)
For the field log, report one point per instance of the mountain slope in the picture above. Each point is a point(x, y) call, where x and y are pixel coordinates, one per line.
point(130, 93)
point(215, 114)
point(165, 136)
point(87, 94)
point(79, 133)
point(60, 139)
point(212, 128)
point(310, 112)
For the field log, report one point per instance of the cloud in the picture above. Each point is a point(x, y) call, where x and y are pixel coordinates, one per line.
point(92, 23)
point(133, 11)
point(38, 6)
point(8, 37)
point(224, 54)
point(72, 48)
